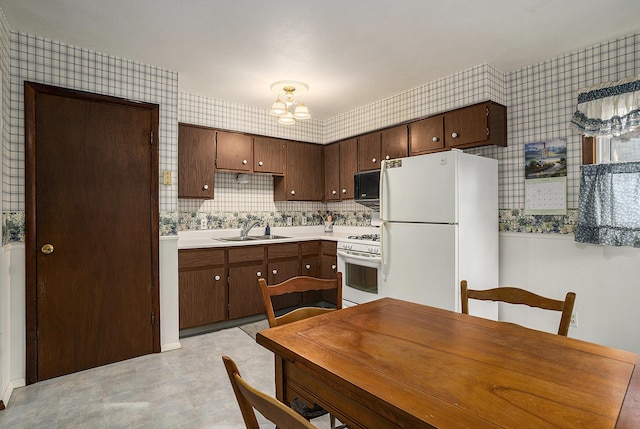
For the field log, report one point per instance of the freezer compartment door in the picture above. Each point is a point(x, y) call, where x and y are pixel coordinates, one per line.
point(420, 189)
point(421, 263)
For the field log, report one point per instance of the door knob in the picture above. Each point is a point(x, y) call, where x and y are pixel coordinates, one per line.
point(47, 249)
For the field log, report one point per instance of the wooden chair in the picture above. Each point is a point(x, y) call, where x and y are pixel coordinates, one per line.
point(250, 398)
point(514, 295)
point(301, 284)
point(298, 284)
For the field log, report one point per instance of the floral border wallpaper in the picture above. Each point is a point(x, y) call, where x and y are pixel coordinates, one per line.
point(510, 220)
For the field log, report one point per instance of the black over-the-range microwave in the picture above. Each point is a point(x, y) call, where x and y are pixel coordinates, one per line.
point(366, 187)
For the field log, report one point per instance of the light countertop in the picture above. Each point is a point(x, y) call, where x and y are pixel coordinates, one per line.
point(208, 238)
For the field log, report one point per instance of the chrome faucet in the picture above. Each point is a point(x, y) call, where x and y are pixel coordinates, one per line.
point(247, 227)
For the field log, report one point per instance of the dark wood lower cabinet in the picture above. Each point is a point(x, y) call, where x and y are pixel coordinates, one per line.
point(244, 294)
point(202, 297)
point(222, 284)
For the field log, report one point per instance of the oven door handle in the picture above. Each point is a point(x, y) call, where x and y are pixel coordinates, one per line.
point(346, 255)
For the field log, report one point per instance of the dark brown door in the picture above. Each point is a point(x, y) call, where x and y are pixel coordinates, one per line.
point(196, 161)
point(268, 155)
point(234, 151)
point(426, 135)
point(369, 151)
point(348, 167)
point(332, 172)
point(92, 230)
point(394, 142)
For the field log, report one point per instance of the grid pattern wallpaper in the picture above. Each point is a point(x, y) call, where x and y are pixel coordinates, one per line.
point(6, 101)
point(45, 61)
point(541, 100)
point(471, 86)
point(209, 112)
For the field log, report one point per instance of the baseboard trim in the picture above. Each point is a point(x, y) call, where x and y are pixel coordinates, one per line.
point(169, 347)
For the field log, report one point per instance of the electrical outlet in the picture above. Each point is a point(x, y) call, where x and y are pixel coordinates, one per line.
point(303, 220)
point(289, 221)
point(574, 319)
point(203, 223)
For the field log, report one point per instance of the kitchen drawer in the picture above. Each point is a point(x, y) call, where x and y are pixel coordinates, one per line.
point(284, 250)
point(246, 254)
point(189, 258)
point(309, 248)
point(329, 247)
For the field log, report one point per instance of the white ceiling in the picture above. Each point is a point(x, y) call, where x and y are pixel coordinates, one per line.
point(350, 52)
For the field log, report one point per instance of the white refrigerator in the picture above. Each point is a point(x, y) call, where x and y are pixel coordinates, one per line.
point(439, 225)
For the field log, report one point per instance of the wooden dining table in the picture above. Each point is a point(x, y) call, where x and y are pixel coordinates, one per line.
point(395, 364)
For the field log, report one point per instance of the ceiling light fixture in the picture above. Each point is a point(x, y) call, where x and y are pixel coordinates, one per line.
point(288, 105)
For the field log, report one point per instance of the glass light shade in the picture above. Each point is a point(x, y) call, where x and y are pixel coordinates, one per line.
point(286, 119)
point(302, 112)
point(277, 108)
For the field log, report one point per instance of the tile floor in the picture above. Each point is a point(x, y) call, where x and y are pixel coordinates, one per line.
point(186, 388)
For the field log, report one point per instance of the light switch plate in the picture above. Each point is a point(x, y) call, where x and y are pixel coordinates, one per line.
point(167, 177)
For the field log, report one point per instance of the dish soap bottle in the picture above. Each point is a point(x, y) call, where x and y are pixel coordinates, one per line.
point(267, 230)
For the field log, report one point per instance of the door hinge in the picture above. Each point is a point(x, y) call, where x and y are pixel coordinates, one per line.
point(487, 130)
point(153, 319)
point(151, 141)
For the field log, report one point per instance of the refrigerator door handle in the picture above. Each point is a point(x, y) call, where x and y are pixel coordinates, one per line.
point(383, 249)
point(383, 169)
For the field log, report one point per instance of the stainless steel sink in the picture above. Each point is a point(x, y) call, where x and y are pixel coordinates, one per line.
point(252, 238)
point(236, 238)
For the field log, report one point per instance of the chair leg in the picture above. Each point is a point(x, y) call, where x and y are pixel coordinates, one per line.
point(332, 420)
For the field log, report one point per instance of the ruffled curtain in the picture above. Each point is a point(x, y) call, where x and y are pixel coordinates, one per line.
point(608, 109)
point(609, 211)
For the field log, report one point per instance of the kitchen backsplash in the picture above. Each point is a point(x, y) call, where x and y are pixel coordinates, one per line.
point(235, 203)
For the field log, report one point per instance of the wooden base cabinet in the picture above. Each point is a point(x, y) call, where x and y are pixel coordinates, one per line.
point(222, 283)
point(246, 266)
point(202, 290)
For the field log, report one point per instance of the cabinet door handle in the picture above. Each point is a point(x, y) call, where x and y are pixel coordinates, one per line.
point(293, 192)
point(333, 267)
point(308, 267)
point(260, 163)
point(217, 278)
point(454, 135)
point(244, 162)
point(205, 187)
point(374, 160)
point(344, 190)
point(435, 139)
point(275, 271)
point(387, 157)
point(259, 274)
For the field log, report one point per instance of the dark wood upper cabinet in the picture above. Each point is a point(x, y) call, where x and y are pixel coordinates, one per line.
point(478, 125)
point(268, 155)
point(303, 179)
point(426, 135)
point(348, 167)
point(234, 151)
point(369, 151)
point(332, 172)
point(196, 161)
point(394, 142)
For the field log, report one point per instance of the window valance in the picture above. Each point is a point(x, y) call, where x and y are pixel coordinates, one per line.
point(608, 109)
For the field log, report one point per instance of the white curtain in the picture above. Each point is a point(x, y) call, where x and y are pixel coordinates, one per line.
point(608, 109)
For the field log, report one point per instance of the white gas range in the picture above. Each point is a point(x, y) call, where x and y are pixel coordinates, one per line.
point(360, 263)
